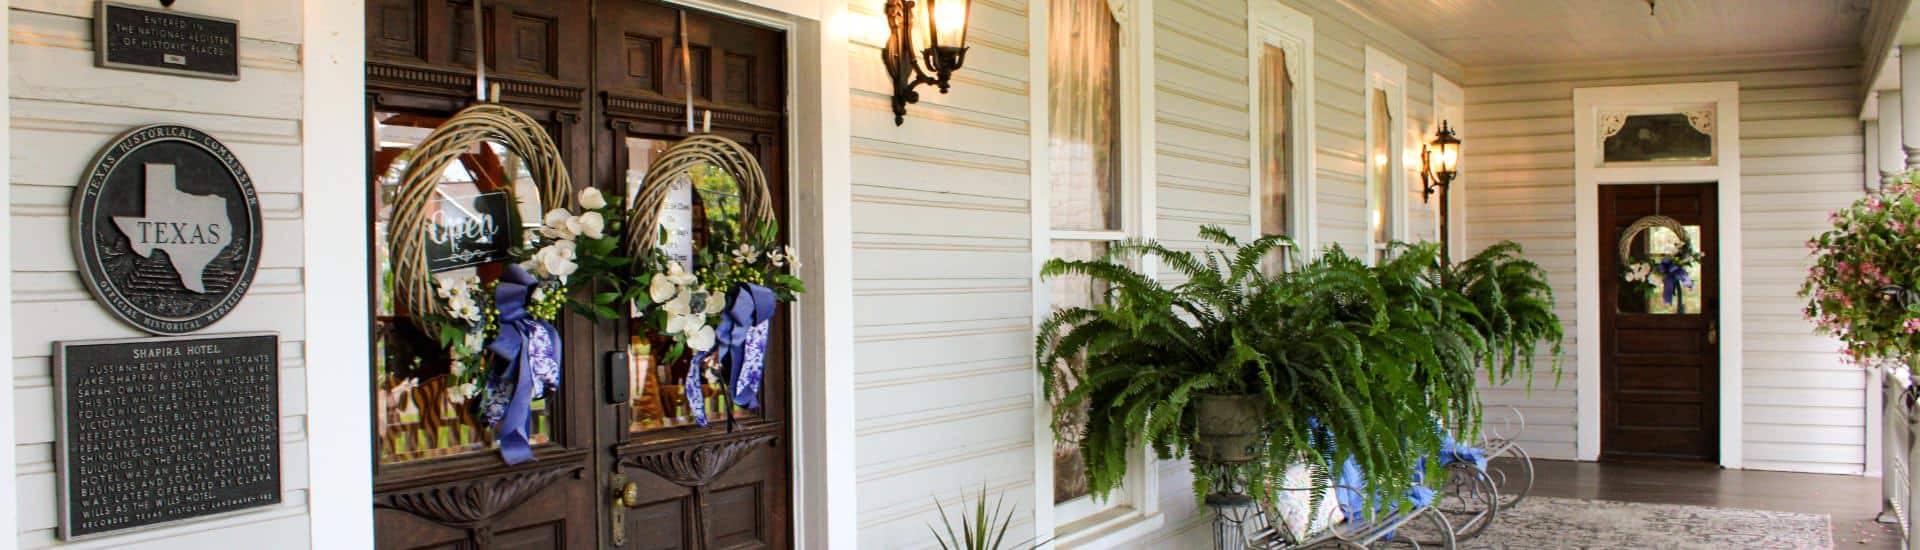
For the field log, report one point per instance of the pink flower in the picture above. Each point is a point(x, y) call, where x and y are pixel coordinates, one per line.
point(1911, 326)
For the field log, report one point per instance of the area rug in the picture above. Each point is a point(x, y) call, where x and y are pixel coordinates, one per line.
point(1545, 522)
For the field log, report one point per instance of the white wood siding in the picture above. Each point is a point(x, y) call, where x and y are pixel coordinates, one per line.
point(943, 304)
point(1804, 410)
point(64, 111)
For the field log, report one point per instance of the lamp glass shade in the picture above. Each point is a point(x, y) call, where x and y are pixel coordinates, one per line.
point(948, 22)
point(1449, 156)
point(919, 26)
point(1445, 151)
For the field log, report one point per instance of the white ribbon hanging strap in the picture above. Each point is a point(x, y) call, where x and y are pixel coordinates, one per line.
point(479, 53)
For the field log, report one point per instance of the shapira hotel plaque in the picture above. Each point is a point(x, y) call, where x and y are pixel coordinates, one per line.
point(157, 431)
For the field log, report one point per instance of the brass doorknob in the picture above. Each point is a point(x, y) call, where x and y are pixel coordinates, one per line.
point(627, 495)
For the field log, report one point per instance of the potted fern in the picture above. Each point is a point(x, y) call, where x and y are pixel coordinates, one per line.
point(1515, 306)
point(1187, 368)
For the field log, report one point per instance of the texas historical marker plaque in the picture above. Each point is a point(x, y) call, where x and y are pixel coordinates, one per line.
point(167, 229)
point(155, 431)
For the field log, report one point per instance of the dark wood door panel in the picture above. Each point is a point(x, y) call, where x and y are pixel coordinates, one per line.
point(729, 64)
point(529, 39)
point(1659, 371)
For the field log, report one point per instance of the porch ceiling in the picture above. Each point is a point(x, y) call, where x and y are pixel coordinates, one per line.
point(1480, 33)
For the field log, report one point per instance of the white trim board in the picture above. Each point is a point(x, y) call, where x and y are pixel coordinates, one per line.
point(1272, 23)
point(333, 152)
point(9, 495)
point(1589, 175)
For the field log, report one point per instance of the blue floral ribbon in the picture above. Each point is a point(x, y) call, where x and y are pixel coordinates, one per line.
point(744, 333)
point(1673, 276)
point(741, 340)
point(527, 344)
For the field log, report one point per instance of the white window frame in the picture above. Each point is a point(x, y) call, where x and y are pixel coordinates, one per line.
point(1390, 76)
point(1132, 510)
point(1274, 24)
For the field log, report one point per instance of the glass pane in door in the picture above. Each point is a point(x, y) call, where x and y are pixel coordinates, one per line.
point(702, 206)
point(427, 405)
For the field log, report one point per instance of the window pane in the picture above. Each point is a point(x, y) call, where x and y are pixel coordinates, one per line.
point(1660, 137)
point(1380, 161)
point(1651, 298)
point(426, 406)
point(1069, 471)
point(1083, 116)
point(700, 207)
point(1276, 144)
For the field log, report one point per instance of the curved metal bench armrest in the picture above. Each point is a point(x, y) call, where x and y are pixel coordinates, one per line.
point(1515, 422)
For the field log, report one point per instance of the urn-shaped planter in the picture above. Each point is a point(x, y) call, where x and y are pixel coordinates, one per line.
point(1230, 428)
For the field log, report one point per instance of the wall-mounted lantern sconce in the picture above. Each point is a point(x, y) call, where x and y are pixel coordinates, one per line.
point(1439, 164)
point(942, 26)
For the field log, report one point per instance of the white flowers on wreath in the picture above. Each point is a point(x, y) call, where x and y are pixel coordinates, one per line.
point(562, 228)
point(688, 305)
point(459, 293)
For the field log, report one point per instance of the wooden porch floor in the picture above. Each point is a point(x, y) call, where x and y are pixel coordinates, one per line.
point(1852, 501)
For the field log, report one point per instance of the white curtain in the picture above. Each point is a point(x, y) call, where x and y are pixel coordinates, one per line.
point(1084, 83)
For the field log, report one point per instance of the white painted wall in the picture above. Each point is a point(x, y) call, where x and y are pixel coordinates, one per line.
point(63, 110)
point(941, 294)
point(1801, 145)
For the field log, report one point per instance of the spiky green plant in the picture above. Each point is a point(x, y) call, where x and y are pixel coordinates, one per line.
point(1342, 374)
point(981, 529)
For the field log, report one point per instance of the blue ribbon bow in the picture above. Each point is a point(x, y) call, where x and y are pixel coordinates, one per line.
point(1673, 277)
point(752, 306)
point(740, 340)
point(522, 341)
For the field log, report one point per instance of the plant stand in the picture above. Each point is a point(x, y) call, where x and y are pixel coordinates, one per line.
point(1234, 513)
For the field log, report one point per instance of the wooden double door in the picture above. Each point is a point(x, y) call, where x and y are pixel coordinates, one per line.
point(618, 462)
point(1660, 362)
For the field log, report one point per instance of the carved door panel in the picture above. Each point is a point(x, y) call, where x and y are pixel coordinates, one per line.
point(725, 485)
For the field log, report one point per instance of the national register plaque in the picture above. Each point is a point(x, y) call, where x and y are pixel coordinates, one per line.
point(156, 431)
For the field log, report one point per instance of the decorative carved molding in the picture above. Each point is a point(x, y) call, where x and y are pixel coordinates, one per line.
point(675, 112)
point(473, 504)
point(697, 465)
point(1701, 120)
point(1611, 123)
point(461, 84)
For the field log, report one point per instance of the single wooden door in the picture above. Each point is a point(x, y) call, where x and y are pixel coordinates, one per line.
point(1660, 385)
point(724, 485)
point(438, 481)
